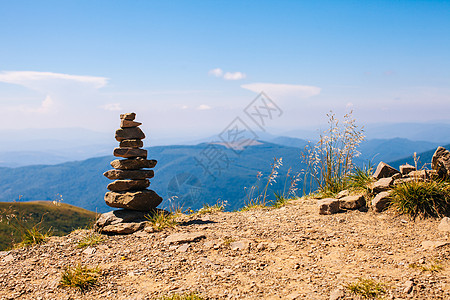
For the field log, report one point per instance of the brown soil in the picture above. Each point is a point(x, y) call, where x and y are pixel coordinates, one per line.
point(286, 253)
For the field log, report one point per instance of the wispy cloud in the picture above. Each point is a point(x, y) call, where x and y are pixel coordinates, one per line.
point(283, 90)
point(218, 72)
point(112, 106)
point(203, 107)
point(234, 76)
point(44, 80)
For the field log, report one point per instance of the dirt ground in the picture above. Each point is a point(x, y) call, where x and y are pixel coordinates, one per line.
point(285, 253)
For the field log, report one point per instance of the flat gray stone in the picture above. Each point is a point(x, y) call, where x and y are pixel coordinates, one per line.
point(135, 143)
point(128, 116)
point(145, 200)
point(328, 206)
point(382, 185)
point(381, 201)
point(352, 202)
point(444, 225)
point(130, 152)
point(239, 245)
point(406, 168)
point(431, 245)
point(133, 163)
point(121, 221)
point(127, 185)
point(384, 170)
point(179, 238)
point(129, 174)
point(124, 123)
point(129, 134)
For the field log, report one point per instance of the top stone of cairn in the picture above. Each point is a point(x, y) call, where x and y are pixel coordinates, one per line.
point(128, 116)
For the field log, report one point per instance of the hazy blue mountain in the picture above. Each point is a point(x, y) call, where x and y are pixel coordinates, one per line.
point(424, 159)
point(431, 132)
point(377, 150)
point(178, 175)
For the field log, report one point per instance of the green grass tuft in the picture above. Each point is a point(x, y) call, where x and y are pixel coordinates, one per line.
point(367, 288)
point(161, 219)
point(91, 239)
point(361, 178)
point(80, 277)
point(424, 199)
point(186, 296)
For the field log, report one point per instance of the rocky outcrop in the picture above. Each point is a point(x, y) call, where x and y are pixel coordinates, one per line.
point(384, 170)
point(441, 162)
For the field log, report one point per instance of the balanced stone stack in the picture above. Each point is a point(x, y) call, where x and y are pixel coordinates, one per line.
point(131, 174)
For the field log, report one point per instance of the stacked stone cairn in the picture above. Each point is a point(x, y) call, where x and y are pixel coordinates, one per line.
point(129, 190)
point(131, 180)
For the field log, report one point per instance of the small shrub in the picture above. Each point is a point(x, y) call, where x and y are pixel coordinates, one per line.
point(367, 288)
point(91, 239)
point(280, 201)
point(228, 240)
point(80, 277)
point(33, 236)
point(161, 219)
point(330, 160)
point(209, 209)
point(255, 198)
point(432, 267)
point(186, 296)
point(422, 198)
point(360, 178)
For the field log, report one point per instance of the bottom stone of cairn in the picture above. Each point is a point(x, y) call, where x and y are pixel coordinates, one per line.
point(145, 200)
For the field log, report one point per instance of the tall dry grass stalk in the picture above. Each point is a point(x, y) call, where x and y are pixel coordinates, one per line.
point(330, 161)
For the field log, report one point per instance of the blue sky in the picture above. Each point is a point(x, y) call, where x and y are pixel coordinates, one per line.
point(188, 68)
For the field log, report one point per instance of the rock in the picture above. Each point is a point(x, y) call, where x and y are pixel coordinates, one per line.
point(178, 238)
point(441, 162)
point(183, 248)
point(384, 170)
point(145, 200)
point(404, 180)
point(89, 250)
point(239, 245)
point(127, 185)
point(382, 185)
point(337, 294)
point(396, 176)
point(133, 163)
point(129, 134)
point(124, 123)
point(431, 245)
point(128, 116)
point(343, 194)
point(406, 168)
point(409, 285)
point(130, 152)
point(135, 143)
point(352, 202)
point(121, 221)
point(444, 225)
point(8, 258)
point(381, 201)
point(328, 206)
point(423, 175)
point(129, 174)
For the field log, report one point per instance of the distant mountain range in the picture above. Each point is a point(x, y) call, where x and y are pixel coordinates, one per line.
point(187, 175)
point(26, 147)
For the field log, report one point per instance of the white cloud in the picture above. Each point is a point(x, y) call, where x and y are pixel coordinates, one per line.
point(234, 76)
point(184, 107)
point(283, 90)
point(203, 107)
point(216, 72)
point(42, 81)
point(112, 106)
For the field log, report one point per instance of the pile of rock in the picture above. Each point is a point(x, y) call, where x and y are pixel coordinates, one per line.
point(131, 174)
point(386, 178)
